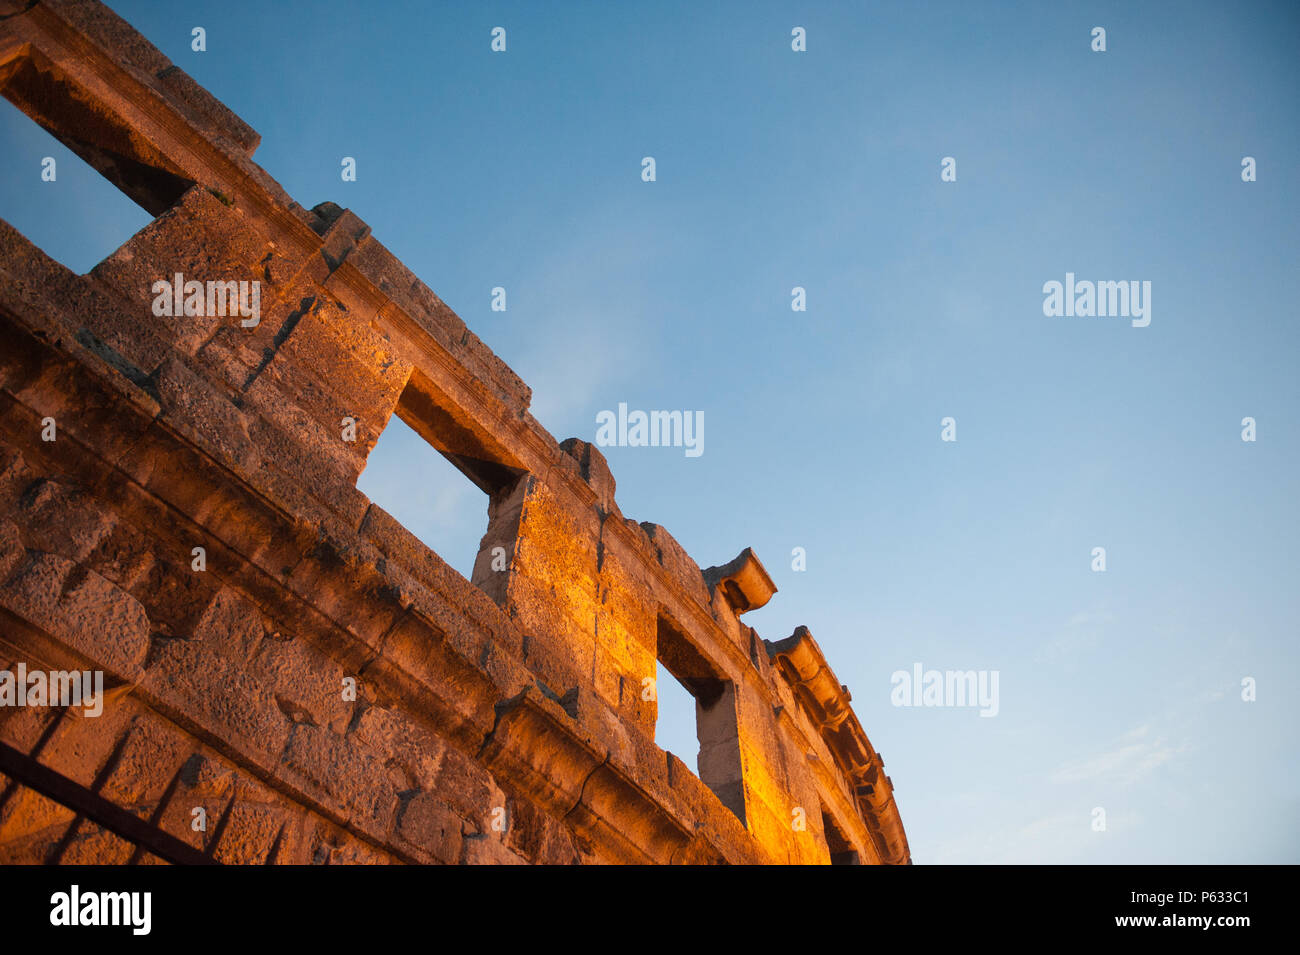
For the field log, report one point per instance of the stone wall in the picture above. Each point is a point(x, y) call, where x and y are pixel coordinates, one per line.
point(502, 719)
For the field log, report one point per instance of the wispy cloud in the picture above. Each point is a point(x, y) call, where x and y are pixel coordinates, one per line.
point(1131, 759)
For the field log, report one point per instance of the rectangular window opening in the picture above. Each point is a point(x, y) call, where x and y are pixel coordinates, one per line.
point(675, 721)
point(82, 183)
point(842, 851)
point(446, 485)
point(691, 677)
point(93, 130)
point(62, 205)
point(426, 494)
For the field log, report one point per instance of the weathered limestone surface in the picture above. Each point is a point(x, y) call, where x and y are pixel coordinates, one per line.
point(496, 720)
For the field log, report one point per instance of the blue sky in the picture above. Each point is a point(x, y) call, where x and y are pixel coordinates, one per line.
point(777, 169)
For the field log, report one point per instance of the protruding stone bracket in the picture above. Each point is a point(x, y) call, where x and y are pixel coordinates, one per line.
point(744, 582)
